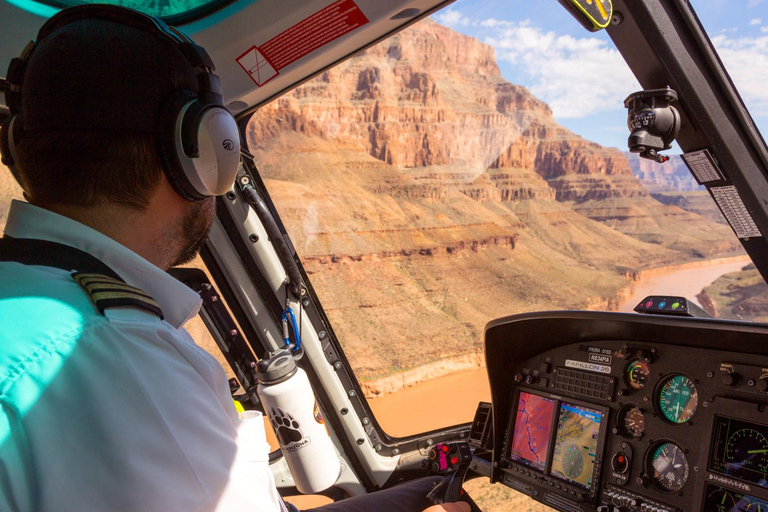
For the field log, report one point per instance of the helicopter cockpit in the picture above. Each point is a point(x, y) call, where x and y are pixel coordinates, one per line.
point(356, 130)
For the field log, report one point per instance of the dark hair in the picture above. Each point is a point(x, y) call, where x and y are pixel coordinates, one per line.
point(89, 168)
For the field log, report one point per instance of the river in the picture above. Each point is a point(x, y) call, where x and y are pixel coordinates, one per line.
point(684, 281)
point(453, 399)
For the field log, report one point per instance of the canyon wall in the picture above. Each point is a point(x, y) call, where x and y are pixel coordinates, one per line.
point(427, 195)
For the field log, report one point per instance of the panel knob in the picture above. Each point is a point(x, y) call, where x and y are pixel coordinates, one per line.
point(620, 462)
point(732, 379)
point(762, 385)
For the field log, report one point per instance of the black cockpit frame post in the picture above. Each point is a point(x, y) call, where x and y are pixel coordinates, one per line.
point(664, 44)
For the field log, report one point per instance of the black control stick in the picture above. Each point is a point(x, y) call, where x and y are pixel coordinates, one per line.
point(451, 460)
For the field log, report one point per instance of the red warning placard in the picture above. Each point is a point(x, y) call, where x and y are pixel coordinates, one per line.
point(262, 63)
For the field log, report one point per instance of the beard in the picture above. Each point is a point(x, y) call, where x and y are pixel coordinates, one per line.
point(189, 233)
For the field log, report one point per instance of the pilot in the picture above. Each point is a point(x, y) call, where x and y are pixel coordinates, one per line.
point(107, 403)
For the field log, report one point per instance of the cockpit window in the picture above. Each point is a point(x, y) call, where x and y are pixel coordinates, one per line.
point(471, 167)
point(171, 11)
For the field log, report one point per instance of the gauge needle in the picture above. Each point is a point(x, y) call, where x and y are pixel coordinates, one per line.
point(758, 451)
point(677, 465)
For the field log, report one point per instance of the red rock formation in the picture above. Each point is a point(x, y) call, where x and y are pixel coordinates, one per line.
point(432, 97)
point(425, 195)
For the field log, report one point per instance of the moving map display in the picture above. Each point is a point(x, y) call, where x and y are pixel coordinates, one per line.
point(578, 430)
point(740, 450)
point(533, 426)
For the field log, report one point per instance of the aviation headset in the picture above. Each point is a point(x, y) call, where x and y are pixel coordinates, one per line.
point(199, 143)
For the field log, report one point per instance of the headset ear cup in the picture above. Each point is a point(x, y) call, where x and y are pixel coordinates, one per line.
point(170, 124)
point(11, 135)
point(7, 145)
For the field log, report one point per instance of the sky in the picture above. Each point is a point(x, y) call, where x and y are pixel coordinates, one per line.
point(546, 50)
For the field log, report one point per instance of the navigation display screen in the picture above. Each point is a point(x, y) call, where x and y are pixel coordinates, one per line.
point(721, 499)
point(533, 426)
point(740, 450)
point(578, 430)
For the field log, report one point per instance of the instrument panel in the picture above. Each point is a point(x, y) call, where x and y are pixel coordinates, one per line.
point(613, 416)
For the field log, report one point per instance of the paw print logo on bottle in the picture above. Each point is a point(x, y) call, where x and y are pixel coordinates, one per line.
point(286, 427)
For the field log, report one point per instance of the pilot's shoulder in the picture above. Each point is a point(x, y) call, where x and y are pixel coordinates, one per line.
point(94, 297)
point(108, 293)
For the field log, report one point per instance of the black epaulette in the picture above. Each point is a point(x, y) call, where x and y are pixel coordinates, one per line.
point(108, 292)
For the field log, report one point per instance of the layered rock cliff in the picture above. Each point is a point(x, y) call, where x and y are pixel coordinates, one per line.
point(741, 295)
point(671, 176)
point(427, 195)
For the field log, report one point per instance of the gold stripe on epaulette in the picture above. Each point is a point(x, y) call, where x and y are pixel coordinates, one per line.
point(107, 292)
point(85, 275)
point(94, 287)
point(96, 278)
point(122, 295)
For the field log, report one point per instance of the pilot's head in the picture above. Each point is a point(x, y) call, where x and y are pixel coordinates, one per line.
point(109, 109)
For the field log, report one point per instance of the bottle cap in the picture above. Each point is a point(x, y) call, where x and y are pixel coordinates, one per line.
point(276, 367)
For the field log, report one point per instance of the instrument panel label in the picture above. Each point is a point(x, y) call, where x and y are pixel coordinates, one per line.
point(601, 359)
point(591, 367)
point(702, 166)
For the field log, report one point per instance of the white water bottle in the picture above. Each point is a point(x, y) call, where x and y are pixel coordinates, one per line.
point(290, 404)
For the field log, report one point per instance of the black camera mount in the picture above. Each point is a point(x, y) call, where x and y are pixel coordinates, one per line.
point(653, 122)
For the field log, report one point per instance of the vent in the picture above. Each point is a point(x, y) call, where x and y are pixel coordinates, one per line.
point(585, 384)
point(482, 427)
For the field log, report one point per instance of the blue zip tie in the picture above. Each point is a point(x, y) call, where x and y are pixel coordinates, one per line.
point(286, 313)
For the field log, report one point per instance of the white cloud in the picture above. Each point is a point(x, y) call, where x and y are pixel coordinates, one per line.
point(764, 30)
point(746, 59)
point(755, 21)
point(576, 76)
point(451, 18)
point(493, 22)
point(753, 3)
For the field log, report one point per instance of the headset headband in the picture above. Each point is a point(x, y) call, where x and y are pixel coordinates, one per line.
point(198, 139)
point(208, 83)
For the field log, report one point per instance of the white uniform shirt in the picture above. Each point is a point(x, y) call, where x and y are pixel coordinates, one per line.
point(113, 412)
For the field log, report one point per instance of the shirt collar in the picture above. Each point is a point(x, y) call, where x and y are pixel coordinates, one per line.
point(178, 302)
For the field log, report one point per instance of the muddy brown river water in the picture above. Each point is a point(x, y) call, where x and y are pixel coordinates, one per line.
point(452, 399)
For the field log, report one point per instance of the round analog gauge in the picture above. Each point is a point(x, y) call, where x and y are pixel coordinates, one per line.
point(723, 499)
point(747, 448)
point(631, 421)
point(668, 467)
point(677, 399)
point(637, 374)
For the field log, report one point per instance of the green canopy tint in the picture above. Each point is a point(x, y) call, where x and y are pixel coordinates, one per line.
point(172, 11)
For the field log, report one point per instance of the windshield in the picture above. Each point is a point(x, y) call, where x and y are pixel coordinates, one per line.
point(474, 166)
point(471, 167)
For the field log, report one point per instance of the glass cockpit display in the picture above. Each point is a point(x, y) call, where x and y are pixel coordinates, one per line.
point(533, 428)
point(722, 499)
point(740, 450)
point(578, 431)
